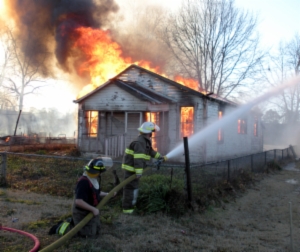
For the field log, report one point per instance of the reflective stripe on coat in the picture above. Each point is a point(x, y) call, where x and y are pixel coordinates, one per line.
point(137, 154)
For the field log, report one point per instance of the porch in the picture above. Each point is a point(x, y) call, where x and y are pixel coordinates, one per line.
point(109, 133)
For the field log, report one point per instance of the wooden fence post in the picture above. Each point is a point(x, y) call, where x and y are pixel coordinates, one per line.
point(187, 171)
point(293, 152)
point(228, 170)
point(265, 157)
point(3, 167)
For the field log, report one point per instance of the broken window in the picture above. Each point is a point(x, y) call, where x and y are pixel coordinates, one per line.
point(153, 117)
point(220, 131)
point(91, 123)
point(242, 126)
point(255, 127)
point(187, 121)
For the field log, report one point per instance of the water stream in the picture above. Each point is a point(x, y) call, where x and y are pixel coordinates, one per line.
point(211, 129)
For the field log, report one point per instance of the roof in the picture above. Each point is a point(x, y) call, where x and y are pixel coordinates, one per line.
point(148, 94)
point(142, 93)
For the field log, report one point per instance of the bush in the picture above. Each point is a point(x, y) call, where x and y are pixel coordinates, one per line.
point(273, 166)
point(157, 194)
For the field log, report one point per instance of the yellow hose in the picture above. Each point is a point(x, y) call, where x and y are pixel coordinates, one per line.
point(87, 218)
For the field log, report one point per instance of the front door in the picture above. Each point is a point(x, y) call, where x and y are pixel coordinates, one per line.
point(133, 121)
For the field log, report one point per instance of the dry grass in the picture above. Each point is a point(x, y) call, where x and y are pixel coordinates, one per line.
point(256, 219)
point(36, 147)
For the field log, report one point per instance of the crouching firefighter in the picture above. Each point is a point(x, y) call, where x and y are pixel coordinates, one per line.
point(88, 195)
point(134, 161)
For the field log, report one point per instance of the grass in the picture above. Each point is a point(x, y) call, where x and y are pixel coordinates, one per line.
point(44, 175)
point(158, 192)
point(38, 224)
point(160, 198)
point(27, 202)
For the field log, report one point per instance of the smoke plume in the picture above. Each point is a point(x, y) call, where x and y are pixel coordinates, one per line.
point(48, 25)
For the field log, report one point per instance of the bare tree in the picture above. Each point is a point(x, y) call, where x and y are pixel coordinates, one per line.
point(284, 65)
point(21, 75)
point(6, 45)
point(271, 116)
point(215, 43)
point(6, 100)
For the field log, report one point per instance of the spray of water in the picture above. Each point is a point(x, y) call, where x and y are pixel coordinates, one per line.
point(206, 133)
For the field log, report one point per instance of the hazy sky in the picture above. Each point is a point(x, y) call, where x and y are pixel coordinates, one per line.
point(279, 20)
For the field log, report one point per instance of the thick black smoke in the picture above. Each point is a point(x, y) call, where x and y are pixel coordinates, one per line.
point(44, 23)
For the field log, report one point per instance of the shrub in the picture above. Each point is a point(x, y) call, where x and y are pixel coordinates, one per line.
point(274, 166)
point(156, 194)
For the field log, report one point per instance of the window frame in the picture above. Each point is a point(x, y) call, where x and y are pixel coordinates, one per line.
point(242, 126)
point(88, 122)
point(192, 123)
point(153, 116)
point(255, 127)
point(220, 137)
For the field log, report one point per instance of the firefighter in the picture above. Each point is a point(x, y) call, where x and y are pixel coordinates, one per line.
point(134, 161)
point(88, 194)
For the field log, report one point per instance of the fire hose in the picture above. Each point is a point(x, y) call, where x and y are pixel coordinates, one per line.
point(35, 239)
point(87, 218)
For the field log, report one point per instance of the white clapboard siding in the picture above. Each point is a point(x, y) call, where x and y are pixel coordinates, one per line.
point(149, 81)
point(113, 98)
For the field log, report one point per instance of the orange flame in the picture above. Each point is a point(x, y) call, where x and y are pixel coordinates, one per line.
point(153, 117)
point(103, 59)
point(187, 121)
point(191, 83)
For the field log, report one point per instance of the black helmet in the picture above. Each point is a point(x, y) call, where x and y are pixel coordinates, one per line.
point(98, 165)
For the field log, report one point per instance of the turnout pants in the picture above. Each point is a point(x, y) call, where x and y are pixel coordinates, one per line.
point(92, 228)
point(130, 193)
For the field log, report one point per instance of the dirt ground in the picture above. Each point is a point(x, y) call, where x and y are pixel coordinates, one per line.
point(257, 220)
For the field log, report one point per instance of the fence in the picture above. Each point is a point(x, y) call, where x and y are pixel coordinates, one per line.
point(56, 175)
point(228, 170)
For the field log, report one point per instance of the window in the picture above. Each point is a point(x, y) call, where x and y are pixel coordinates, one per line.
point(187, 121)
point(153, 117)
point(255, 127)
point(91, 123)
point(242, 126)
point(220, 131)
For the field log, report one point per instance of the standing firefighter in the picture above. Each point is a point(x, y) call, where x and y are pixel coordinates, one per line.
point(88, 195)
point(134, 161)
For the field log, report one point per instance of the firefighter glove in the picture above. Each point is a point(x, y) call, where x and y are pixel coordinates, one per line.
point(162, 159)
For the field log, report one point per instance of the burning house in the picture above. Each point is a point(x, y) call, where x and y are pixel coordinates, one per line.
point(108, 117)
point(86, 44)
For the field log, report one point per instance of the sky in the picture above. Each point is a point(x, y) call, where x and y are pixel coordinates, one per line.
point(279, 20)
